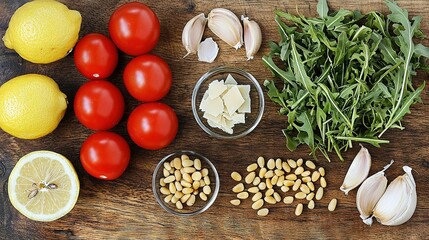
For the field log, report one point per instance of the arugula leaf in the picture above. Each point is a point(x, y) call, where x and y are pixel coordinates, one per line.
point(322, 8)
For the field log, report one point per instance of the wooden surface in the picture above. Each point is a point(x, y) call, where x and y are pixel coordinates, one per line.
point(126, 208)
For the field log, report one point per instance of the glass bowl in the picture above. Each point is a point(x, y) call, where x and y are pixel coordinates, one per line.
point(242, 77)
point(199, 205)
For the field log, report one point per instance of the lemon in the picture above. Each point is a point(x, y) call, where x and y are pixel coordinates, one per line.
point(43, 31)
point(31, 106)
point(43, 186)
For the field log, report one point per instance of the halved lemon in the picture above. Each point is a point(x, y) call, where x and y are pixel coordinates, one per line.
point(43, 186)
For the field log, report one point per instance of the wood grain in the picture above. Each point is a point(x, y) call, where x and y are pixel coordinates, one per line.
point(126, 208)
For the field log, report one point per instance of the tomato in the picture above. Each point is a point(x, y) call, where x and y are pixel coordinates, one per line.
point(105, 155)
point(99, 105)
point(95, 56)
point(147, 78)
point(152, 126)
point(134, 28)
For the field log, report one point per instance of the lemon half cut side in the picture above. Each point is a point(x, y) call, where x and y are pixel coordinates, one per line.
point(43, 186)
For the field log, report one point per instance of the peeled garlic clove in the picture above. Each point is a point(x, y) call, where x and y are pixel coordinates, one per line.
point(358, 170)
point(398, 203)
point(208, 50)
point(369, 193)
point(252, 37)
point(193, 32)
point(226, 25)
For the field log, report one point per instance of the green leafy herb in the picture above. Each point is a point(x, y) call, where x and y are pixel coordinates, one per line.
point(344, 77)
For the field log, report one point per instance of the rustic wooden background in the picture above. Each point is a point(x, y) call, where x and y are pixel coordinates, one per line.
point(126, 208)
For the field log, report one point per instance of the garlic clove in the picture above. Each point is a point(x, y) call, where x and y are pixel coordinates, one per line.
point(193, 33)
point(226, 25)
point(252, 37)
point(398, 203)
point(208, 50)
point(369, 193)
point(358, 170)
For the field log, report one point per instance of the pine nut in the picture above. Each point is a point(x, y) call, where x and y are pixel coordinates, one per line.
point(323, 183)
point(165, 172)
point(300, 195)
point(167, 166)
point(291, 163)
point(189, 170)
point(253, 190)
point(311, 186)
point(179, 205)
point(280, 181)
point(207, 180)
point(169, 179)
point(332, 205)
point(274, 180)
point(177, 163)
point(172, 163)
point(269, 174)
point(252, 167)
point(203, 196)
point(288, 200)
point(195, 192)
point(306, 179)
point(257, 196)
point(270, 200)
point(256, 181)
point(238, 188)
point(261, 162)
point(279, 172)
point(187, 190)
point(304, 189)
point(172, 187)
point(187, 163)
point(174, 200)
point(161, 182)
point(167, 199)
point(310, 196)
point(262, 186)
point(299, 162)
point(291, 177)
point(187, 177)
point(271, 164)
point(235, 202)
point(268, 182)
point(278, 163)
point(311, 204)
point(184, 157)
point(315, 176)
point(236, 176)
point(305, 173)
point(196, 176)
point(284, 189)
point(319, 193)
point(197, 164)
point(178, 194)
point(258, 204)
point(185, 198)
point(277, 197)
point(269, 192)
point(296, 185)
point(250, 177)
point(243, 195)
point(191, 200)
point(263, 212)
point(288, 183)
point(286, 167)
point(205, 172)
point(299, 170)
point(177, 175)
point(202, 183)
point(299, 209)
point(207, 190)
point(322, 171)
point(185, 184)
point(262, 172)
point(178, 186)
point(310, 164)
point(196, 185)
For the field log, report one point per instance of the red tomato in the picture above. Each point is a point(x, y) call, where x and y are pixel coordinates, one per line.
point(152, 125)
point(105, 155)
point(134, 28)
point(95, 56)
point(147, 78)
point(99, 105)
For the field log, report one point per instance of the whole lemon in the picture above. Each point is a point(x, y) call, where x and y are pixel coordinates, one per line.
point(31, 106)
point(43, 31)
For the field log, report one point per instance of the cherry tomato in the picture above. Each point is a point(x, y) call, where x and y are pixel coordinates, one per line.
point(99, 105)
point(134, 28)
point(152, 126)
point(95, 56)
point(147, 78)
point(105, 155)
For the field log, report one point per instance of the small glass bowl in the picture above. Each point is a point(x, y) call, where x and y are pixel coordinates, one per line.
point(243, 78)
point(199, 205)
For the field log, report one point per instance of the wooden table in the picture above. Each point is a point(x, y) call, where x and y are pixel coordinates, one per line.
point(126, 208)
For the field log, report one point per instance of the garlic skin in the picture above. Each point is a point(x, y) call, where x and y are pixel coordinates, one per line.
point(398, 203)
point(358, 171)
point(208, 50)
point(226, 25)
point(369, 194)
point(193, 33)
point(252, 37)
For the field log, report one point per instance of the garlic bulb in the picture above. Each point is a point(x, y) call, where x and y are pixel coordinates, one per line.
point(226, 25)
point(358, 171)
point(252, 37)
point(369, 193)
point(208, 50)
point(193, 32)
point(398, 203)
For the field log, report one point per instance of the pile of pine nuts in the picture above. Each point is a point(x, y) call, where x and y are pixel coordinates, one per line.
point(298, 176)
point(185, 178)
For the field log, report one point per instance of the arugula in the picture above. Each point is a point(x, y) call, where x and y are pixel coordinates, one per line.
point(344, 76)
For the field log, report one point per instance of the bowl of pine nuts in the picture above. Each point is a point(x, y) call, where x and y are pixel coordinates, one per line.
point(185, 183)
